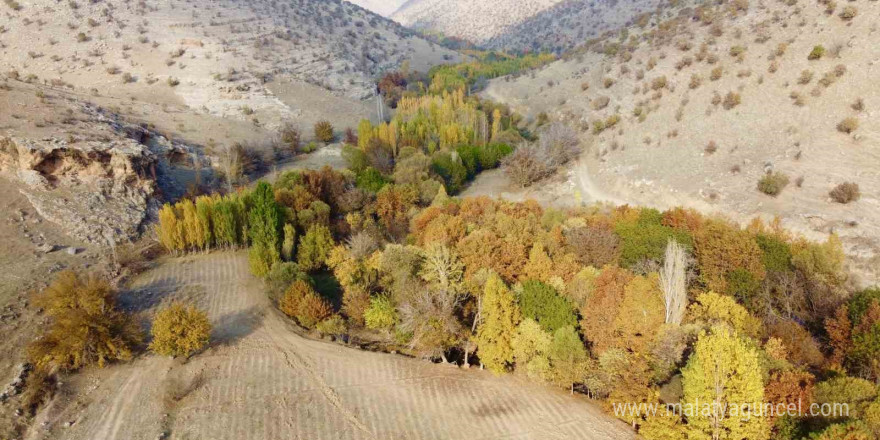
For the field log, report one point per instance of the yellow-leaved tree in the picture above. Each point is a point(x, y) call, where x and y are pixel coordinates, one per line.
point(499, 318)
point(180, 330)
point(724, 389)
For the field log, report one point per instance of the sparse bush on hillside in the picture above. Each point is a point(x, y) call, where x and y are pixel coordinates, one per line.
point(848, 13)
point(848, 125)
point(173, 82)
point(600, 102)
point(806, 77)
point(179, 330)
point(658, 83)
point(773, 183)
point(716, 73)
point(817, 53)
point(324, 131)
point(731, 100)
point(845, 193)
point(696, 81)
point(290, 137)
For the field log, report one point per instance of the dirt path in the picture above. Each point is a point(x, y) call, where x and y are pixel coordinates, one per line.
point(260, 380)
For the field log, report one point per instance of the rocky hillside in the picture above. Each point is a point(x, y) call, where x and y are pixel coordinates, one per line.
point(697, 107)
point(536, 25)
point(382, 7)
point(570, 23)
point(476, 21)
point(214, 57)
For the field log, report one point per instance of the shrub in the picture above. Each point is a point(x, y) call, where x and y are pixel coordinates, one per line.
point(848, 13)
point(333, 325)
point(451, 170)
point(85, 326)
point(173, 82)
point(731, 100)
point(845, 193)
point(848, 125)
point(594, 246)
point(179, 330)
point(600, 102)
point(773, 183)
point(806, 77)
point(817, 52)
point(526, 166)
point(302, 303)
point(776, 255)
point(381, 315)
point(290, 137)
point(371, 180)
point(324, 131)
point(646, 238)
point(716, 73)
point(658, 83)
point(545, 305)
point(490, 155)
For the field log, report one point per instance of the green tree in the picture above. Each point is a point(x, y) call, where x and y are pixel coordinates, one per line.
point(180, 330)
point(381, 315)
point(264, 227)
point(499, 318)
point(314, 248)
point(545, 305)
point(724, 372)
point(568, 357)
point(204, 211)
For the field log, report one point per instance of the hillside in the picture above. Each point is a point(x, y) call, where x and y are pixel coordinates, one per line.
point(534, 25)
point(218, 58)
point(696, 110)
point(470, 20)
point(382, 7)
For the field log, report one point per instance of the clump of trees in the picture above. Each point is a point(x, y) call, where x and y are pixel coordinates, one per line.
point(180, 330)
point(558, 144)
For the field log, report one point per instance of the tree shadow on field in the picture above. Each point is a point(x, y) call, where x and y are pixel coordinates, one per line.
point(149, 296)
point(234, 326)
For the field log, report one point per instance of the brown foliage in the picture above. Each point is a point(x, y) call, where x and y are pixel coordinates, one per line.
point(720, 248)
point(602, 307)
point(802, 349)
point(302, 303)
point(594, 246)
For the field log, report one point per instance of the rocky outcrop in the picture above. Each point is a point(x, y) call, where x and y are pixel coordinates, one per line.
point(98, 191)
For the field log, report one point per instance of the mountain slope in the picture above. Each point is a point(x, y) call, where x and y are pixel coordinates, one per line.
point(382, 7)
point(214, 56)
point(704, 101)
point(474, 21)
point(570, 23)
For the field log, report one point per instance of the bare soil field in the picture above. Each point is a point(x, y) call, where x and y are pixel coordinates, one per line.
point(261, 380)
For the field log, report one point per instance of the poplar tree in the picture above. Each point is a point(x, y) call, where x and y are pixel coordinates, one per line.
point(264, 228)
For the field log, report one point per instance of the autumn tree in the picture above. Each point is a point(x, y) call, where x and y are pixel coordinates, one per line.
point(499, 318)
point(180, 330)
point(724, 372)
point(302, 303)
point(85, 326)
point(530, 346)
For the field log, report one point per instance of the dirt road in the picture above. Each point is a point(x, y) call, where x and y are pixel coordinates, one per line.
point(260, 380)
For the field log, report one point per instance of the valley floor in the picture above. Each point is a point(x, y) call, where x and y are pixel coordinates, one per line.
point(260, 380)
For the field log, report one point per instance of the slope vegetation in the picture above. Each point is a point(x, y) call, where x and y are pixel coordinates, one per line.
point(699, 106)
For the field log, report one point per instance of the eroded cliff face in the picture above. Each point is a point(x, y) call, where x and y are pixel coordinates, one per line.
point(98, 191)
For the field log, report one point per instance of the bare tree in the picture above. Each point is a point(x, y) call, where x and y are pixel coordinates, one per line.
point(230, 160)
point(673, 281)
